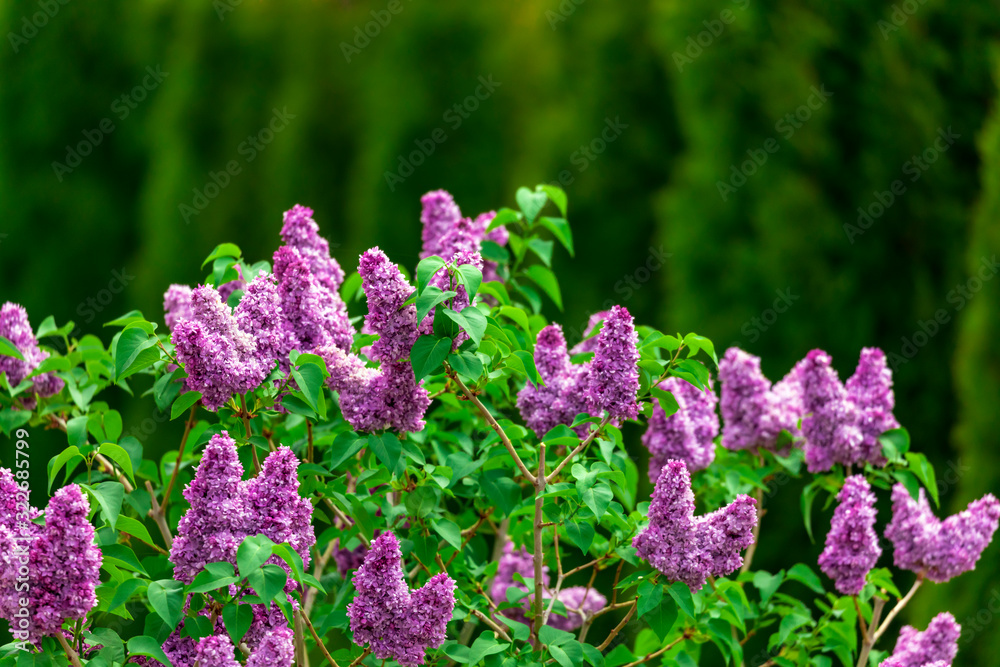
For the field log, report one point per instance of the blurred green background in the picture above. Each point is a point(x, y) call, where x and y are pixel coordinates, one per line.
point(834, 101)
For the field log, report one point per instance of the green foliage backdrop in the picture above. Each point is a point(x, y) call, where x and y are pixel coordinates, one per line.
point(681, 92)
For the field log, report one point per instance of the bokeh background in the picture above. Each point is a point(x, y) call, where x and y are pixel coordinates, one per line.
point(694, 90)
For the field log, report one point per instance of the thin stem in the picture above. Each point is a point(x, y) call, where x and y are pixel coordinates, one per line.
point(74, 658)
point(538, 556)
point(579, 448)
point(898, 608)
point(246, 424)
point(300, 641)
point(861, 617)
point(109, 468)
point(309, 439)
point(492, 624)
point(180, 454)
point(318, 573)
point(357, 661)
point(347, 521)
point(319, 642)
point(657, 652)
point(495, 426)
point(869, 640)
point(619, 627)
point(157, 515)
point(752, 549)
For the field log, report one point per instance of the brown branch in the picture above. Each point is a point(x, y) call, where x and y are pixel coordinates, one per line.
point(157, 515)
point(246, 424)
point(495, 426)
point(657, 652)
point(357, 661)
point(492, 624)
point(618, 628)
point(110, 469)
point(752, 549)
point(74, 658)
point(869, 641)
point(538, 556)
point(318, 568)
point(898, 608)
point(579, 448)
point(180, 454)
point(319, 642)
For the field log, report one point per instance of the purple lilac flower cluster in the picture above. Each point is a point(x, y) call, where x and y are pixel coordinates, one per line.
point(388, 397)
point(936, 646)
point(62, 560)
point(226, 351)
point(225, 509)
point(446, 232)
point(395, 622)
point(754, 413)
point(581, 602)
point(852, 544)
point(15, 327)
point(609, 382)
point(687, 548)
point(687, 435)
point(940, 550)
point(842, 423)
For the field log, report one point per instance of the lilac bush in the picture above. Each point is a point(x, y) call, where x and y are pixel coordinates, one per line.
point(382, 463)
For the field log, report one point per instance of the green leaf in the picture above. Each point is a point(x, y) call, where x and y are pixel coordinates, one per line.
point(881, 577)
point(560, 229)
point(557, 196)
point(344, 447)
point(662, 618)
point(682, 596)
point(697, 343)
point(268, 581)
point(475, 323)
point(117, 454)
point(494, 252)
point(309, 378)
point(223, 250)
point(428, 353)
point(667, 401)
point(484, 645)
point(166, 597)
point(472, 278)
point(650, 596)
point(109, 496)
point(147, 646)
point(924, 471)
point(430, 298)
point(808, 496)
point(449, 530)
point(127, 349)
point(466, 364)
point(803, 573)
point(790, 623)
point(523, 361)
point(215, 575)
point(122, 556)
point(62, 459)
point(134, 528)
point(11, 419)
point(560, 655)
point(124, 592)
point(693, 371)
point(237, 619)
point(426, 269)
point(253, 552)
point(767, 583)
point(545, 279)
point(8, 349)
point(597, 498)
point(184, 403)
point(895, 443)
point(387, 449)
point(531, 203)
point(542, 248)
point(580, 534)
point(503, 492)
point(516, 315)
point(76, 431)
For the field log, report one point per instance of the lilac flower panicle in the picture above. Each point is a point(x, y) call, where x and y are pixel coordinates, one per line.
point(852, 545)
point(581, 603)
point(215, 525)
point(832, 424)
point(753, 412)
point(278, 511)
point(870, 388)
point(215, 651)
point(589, 342)
point(313, 315)
point(394, 622)
point(15, 327)
point(938, 644)
point(560, 399)
point(176, 305)
point(688, 434)
point(387, 397)
point(259, 314)
point(301, 232)
point(276, 649)
point(64, 563)
point(439, 213)
point(613, 380)
point(688, 548)
point(941, 550)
